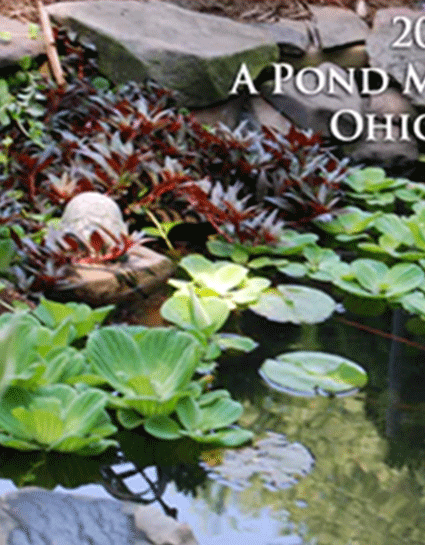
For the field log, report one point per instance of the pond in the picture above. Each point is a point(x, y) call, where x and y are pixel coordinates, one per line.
point(330, 470)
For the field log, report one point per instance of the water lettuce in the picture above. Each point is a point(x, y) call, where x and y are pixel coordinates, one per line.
point(57, 417)
point(150, 368)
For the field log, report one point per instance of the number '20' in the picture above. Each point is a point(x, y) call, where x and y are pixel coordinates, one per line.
point(411, 31)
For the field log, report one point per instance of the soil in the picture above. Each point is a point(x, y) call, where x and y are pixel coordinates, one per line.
point(240, 10)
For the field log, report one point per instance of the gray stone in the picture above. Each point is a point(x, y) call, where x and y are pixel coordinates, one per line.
point(337, 27)
point(162, 529)
point(143, 272)
point(228, 113)
point(20, 44)
point(292, 36)
point(196, 54)
point(39, 517)
point(354, 56)
point(397, 157)
point(314, 111)
point(267, 115)
point(395, 61)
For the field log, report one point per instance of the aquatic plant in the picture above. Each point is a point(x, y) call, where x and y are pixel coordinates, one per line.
point(151, 368)
point(288, 242)
point(82, 317)
point(310, 373)
point(295, 304)
point(206, 419)
point(223, 279)
point(56, 417)
point(374, 280)
point(204, 317)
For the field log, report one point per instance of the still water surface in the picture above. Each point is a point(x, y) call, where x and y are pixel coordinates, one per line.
point(367, 480)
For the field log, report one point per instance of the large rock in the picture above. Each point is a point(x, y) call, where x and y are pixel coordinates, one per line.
point(314, 111)
point(20, 44)
point(337, 27)
point(395, 61)
point(196, 54)
point(292, 36)
point(35, 517)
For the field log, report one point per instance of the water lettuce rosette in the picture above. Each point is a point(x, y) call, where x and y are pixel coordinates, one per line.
point(149, 368)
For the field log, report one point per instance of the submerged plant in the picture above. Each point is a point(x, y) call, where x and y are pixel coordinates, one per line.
point(56, 417)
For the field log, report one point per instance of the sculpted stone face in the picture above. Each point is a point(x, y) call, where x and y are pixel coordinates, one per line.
point(91, 211)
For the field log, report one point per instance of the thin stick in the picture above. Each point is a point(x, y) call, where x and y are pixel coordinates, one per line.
point(51, 51)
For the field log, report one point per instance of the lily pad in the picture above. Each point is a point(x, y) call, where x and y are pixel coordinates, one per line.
point(310, 373)
point(295, 304)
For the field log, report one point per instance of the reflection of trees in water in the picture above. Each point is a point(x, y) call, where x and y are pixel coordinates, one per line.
point(352, 495)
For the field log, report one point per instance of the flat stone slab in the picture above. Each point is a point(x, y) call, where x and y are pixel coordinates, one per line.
point(198, 55)
point(337, 27)
point(20, 44)
point(395, 61)
point(145, 272)
point(292, 36)
point(40, 517)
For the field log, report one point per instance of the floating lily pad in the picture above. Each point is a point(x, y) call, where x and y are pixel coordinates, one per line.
point(310, 373)
point(295, 304)
point(278, 463)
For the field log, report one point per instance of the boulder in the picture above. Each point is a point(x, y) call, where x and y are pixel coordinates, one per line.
point(33, 516)
point(20, 44)
point(265, 114)
point(337, 27)
point(354, 56)
point(228, 113)
point(397, 157)
point(197, 55)
point(292, 36)
point(395, 61)
point(314, 111)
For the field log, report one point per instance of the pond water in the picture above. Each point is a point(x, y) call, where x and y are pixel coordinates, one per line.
point(363, 487)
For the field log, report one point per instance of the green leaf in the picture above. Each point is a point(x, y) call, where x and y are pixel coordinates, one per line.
point(7, 253)
point(84, 319)
point(232, 341)
point(206, 314)
point(129, 419)
point(414, 303)
point(188, 413)
point(350, 221)
point(296, 304)
point(163, 427)
point(219, 276)
point(309, 373)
